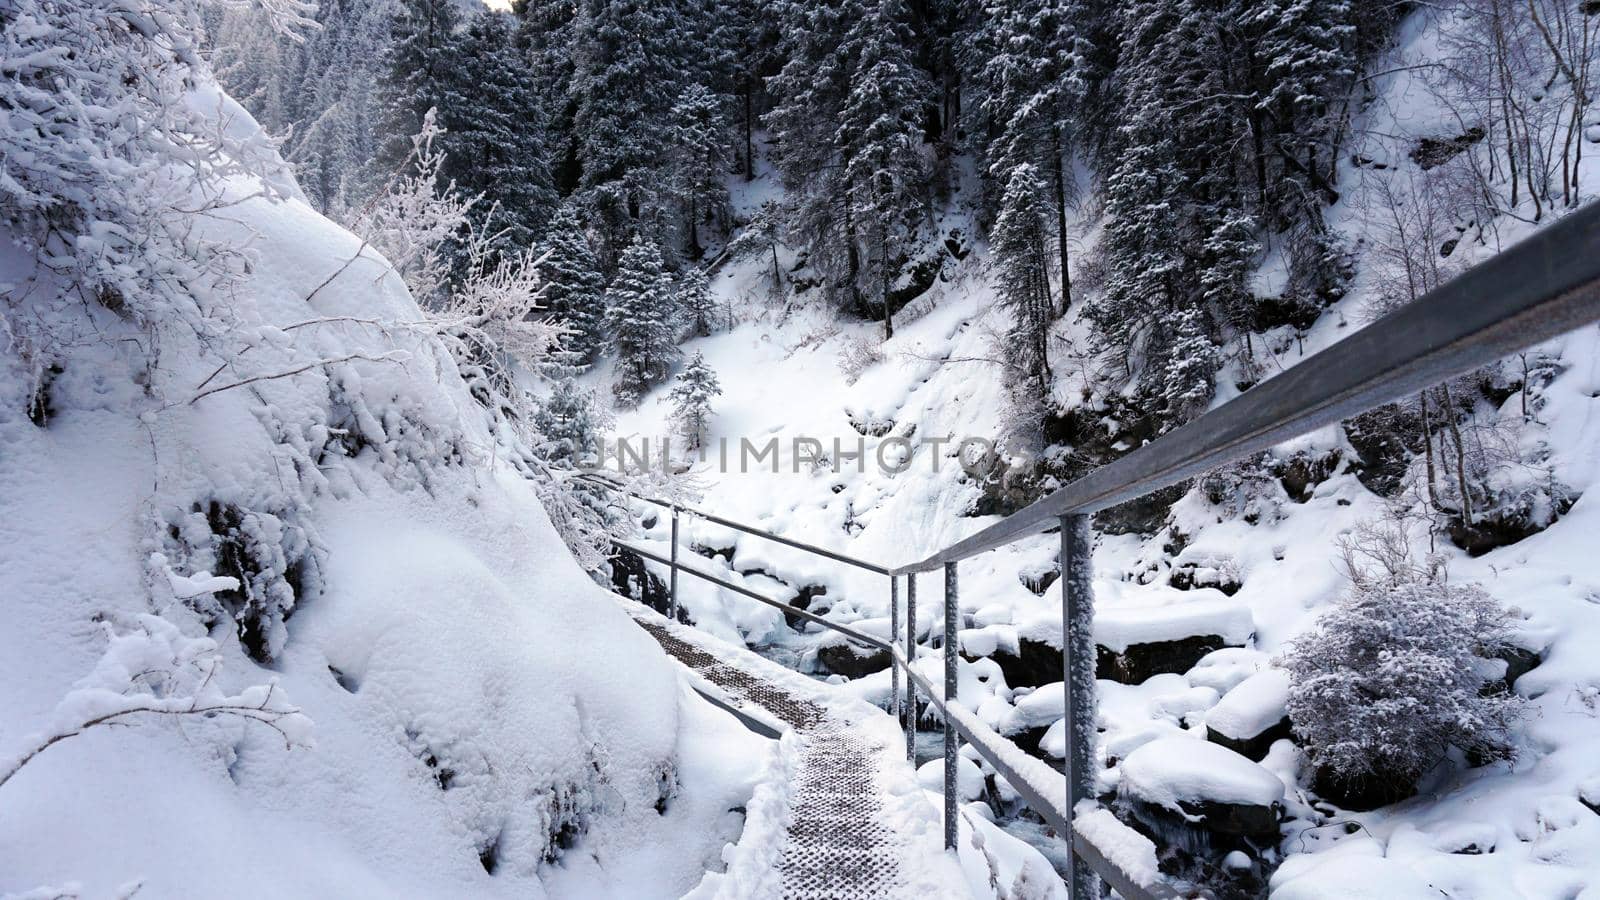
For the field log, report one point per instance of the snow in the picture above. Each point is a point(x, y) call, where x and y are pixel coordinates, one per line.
point(1256, 704)
point(1127, 849)
point(969, 779)
point(1169, 770)
point(1358, 871)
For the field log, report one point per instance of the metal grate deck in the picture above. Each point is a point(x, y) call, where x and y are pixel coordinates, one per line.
point(838, 846)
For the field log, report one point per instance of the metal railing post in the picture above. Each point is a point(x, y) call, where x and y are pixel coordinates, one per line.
point(894, 638)
point(911, 658)
point(1077, 663)
point(672, 590)
point(951, 613)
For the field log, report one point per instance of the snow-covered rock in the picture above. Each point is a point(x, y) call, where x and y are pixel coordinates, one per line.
point(969, 778)
point(1201, 782)
point(1254, 714)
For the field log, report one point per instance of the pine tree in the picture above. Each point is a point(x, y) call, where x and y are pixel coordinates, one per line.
point(569, 423)
point(1189, 362)
point(691, 399)
point(761, 237)
point(699, 157)
point(640, 317)
point(1022, 57)
point(696, 302)
point(416, 67)
point(626, 75)
point(494, 140)
point(320, 89)
point(574, 289)
point(1018, 244)
point(880, 132)
point(809, 95)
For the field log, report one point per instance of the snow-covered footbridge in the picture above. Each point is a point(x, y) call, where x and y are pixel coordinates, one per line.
point(843, 839)
point(841, 842)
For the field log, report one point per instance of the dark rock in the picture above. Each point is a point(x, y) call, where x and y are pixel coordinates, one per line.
point(1256, 747)
point(1038, 584)
point(1206, 828)
point(1004, 489)
point(1184, 579)
point(1301, 472)
point(1036, 663)
point(1146, 515)
point(1501, 530)
point(1384, 439)
point(631, 579)
point(40, 408)
point(1140, 662)
point(803, 601)
point(847, 659)
point(1297, 310)
point(1519, 662)
point(1431, 152)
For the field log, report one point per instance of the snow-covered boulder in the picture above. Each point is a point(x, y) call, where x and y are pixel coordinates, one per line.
point(1137, 642)
point(1180, 786)
point(847, 658)
point(969, 778)
point(1251, 716)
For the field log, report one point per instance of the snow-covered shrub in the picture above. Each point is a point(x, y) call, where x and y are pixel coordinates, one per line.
point(1245, 489)
point(271, 561)
point(149, 671)
point(1393, 677)
point(857, 354)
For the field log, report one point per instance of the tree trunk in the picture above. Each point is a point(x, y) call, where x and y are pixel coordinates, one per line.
point(883, 267)
point(1061, 219)
point(1461, 455)
point(1427, 451)
point(749, 129)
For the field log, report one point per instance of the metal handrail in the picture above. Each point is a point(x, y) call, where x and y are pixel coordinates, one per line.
point(594, 478)
point(851, 633)
point(1538, 289)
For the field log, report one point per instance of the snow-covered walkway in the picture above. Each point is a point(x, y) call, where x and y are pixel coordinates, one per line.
point(845, 839)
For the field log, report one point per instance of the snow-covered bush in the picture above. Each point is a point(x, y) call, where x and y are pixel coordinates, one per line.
point(1393, 677)
point(857, 354)
point(149, 671)
point(269, 559)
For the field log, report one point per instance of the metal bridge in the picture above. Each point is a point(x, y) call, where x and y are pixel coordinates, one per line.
point(1543, 287)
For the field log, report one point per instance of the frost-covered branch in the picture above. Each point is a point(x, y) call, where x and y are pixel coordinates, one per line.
point(154, 670)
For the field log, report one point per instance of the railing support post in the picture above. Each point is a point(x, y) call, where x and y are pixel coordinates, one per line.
point(911, 658)
point(894, 638)
point(672, 589)
point(1077, 661)
point(951, 614)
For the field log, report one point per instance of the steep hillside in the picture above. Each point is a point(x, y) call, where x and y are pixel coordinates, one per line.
point(280, 616)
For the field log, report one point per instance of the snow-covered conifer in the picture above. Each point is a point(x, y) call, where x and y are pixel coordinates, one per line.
point(696, 302)
point(691, 399)
point(699, 159)
point(880, 131)
point(1018, 243)
point(641, 319)
point(574, 287)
